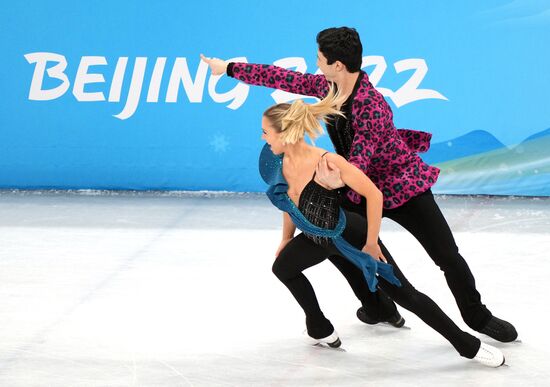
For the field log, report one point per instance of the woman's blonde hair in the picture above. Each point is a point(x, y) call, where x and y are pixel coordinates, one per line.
point(296, 120)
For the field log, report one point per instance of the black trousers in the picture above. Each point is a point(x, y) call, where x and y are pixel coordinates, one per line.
point(301, 253)
point(422, 217)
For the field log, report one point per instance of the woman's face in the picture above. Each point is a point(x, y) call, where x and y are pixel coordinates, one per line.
point(270, 135)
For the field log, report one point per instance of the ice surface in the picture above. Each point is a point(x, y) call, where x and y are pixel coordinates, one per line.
point(168, 289)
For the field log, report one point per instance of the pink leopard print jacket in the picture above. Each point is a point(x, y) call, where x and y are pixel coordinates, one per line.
point(388, 156)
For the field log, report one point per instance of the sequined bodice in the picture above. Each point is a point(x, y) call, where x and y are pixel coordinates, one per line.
point(320, 206)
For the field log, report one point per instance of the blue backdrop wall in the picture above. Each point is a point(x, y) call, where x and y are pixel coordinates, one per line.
point(112, 95)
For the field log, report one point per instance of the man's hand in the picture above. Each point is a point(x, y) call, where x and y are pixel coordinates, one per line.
point(217, 66)
point(328, 174)
point(375, 252)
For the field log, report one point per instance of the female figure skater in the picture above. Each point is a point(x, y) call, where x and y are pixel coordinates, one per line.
point(288, 164)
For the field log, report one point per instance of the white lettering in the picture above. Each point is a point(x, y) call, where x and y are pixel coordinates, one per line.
point(154, 86)
point(36, 93)
point(135, 89)
point(82, 78)
point(180, 73)
point(118, 78)
point(408, 92)
point(376, 75)
point(194, 87)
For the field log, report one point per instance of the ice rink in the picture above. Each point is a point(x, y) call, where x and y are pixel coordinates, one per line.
point(172, 289)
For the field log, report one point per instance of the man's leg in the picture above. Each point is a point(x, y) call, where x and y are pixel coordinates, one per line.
point(376, 307)
point(424, 307)
point(423, 219)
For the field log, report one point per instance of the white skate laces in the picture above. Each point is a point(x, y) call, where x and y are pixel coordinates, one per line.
point(489, 356)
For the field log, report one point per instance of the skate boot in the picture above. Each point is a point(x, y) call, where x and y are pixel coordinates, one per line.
point(500, 330)
point(396, 320)
point(489, 356)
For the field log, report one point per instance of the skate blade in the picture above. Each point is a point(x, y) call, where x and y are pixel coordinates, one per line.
point(387, 324)
point(326, 346)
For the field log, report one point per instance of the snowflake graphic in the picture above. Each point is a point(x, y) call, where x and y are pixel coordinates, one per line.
point(219, 143)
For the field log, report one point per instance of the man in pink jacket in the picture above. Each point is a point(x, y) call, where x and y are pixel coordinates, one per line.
point(368, 139)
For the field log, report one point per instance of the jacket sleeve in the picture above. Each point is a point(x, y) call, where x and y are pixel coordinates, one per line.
point(279, 78)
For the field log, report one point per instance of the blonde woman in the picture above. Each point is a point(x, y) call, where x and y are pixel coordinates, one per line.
point(288, 164)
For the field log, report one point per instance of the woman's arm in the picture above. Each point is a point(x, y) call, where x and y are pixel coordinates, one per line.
point(289, 228)
point(360, 183)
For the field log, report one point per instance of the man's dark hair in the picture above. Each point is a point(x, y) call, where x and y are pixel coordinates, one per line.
point(341, 44)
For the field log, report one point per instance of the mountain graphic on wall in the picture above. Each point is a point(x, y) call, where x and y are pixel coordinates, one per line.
point(521, 169)
point(537, 135)
point(478, 141)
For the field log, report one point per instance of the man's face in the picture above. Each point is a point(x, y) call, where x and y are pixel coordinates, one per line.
point(328, 70)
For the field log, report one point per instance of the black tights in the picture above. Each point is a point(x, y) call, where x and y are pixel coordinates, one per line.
point(301, 253)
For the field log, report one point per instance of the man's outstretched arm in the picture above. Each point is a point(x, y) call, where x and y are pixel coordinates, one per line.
point(271, 76)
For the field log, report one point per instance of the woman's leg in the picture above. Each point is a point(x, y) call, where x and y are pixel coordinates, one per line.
point(299, 254)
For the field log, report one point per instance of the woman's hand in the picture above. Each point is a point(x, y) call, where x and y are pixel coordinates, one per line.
point(375, 252)
point(217, 66)
point(284, 242)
